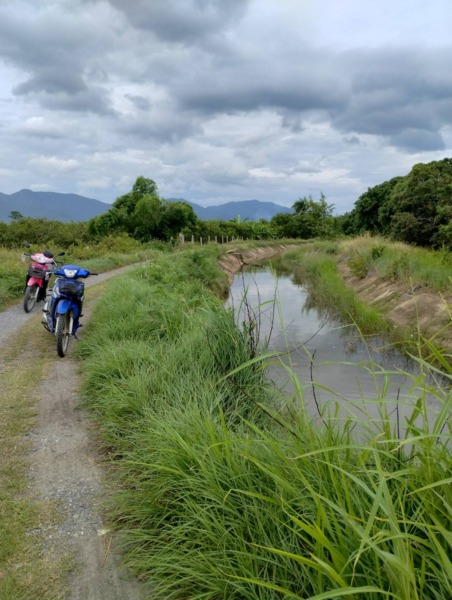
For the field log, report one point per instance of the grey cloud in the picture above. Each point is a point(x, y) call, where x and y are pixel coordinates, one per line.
point(397, 95)
point(353, 140)
point(248, 97)
point(90, 100)
point(414, 140)
point(52, 80)
point(381, 93)
point(139, 102)
point(240, 83)
point(182, 21)
point(162, 127)
point(59, 90)
point(58, 52)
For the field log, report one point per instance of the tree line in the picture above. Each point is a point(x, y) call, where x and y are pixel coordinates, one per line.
point(416, 209)
point(143, 214)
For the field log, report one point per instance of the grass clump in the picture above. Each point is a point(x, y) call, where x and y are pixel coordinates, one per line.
point(395, 260)
point(222, 494)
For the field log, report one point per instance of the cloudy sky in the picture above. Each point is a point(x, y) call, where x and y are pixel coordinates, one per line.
point(220, 100)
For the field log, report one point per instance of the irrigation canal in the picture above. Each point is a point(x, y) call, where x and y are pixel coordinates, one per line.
point(335, 368)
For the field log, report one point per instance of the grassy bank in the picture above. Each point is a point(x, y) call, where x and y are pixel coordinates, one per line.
point(218, 495)
point(397, 269)
point(397, 261)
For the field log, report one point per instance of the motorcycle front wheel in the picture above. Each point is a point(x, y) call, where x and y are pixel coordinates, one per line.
point(63, 332)
point(31, 295)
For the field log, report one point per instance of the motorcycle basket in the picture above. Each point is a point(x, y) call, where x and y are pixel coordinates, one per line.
point(72, 288)
point(36, 272)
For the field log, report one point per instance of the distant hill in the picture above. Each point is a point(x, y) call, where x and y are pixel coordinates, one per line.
point(72, 207)
point(250, 210)
point(51, 205)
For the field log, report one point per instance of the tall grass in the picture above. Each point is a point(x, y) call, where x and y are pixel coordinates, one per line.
point(220, 494)
point(395, 260)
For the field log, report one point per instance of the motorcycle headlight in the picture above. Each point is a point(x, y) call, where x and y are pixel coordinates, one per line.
point(69, 273)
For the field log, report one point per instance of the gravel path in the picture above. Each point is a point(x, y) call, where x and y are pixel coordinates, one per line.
point(65, 467)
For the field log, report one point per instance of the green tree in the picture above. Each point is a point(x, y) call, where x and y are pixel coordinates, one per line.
point(175, 217)
point(145, 220)
point(372, 211)
point(312, 218)
point(143, 214)
point(426, 195)
point(15, 215)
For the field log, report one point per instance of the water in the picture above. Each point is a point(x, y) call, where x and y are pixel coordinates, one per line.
point(331, 366)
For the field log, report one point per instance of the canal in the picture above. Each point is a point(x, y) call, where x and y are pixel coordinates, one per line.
point(325, 366)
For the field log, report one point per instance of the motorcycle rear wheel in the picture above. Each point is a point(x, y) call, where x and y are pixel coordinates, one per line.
point(31, 296)
point(63, 332)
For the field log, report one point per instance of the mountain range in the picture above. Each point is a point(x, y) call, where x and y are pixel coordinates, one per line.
point(72, 207)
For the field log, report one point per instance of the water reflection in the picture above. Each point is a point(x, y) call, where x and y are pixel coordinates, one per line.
point(330, 364)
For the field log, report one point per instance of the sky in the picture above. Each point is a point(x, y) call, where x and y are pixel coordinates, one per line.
point(222, 100)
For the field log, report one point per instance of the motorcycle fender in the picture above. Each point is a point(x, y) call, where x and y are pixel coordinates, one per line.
point(64, 306)
point(34, 281)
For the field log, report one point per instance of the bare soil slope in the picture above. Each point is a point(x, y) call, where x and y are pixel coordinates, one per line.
point(406, 304)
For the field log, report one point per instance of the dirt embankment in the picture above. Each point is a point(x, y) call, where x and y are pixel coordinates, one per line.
point(234, 260)
point(407, 305)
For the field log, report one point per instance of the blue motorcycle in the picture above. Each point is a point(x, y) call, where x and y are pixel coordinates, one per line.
point(61, 315)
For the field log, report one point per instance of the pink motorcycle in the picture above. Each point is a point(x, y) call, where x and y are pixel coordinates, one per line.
point(38, 276)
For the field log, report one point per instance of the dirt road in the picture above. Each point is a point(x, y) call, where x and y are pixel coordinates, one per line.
point(66, 468)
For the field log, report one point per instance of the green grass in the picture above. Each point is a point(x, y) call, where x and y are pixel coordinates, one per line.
point(398, 261)
point(219, 494)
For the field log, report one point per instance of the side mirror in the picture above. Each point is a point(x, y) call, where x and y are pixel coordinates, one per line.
point(26, 244)
point(61, 253)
